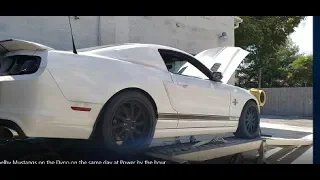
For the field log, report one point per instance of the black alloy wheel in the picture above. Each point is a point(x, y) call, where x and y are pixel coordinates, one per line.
point(128, 124)
point(249, 122)
point(251, 119)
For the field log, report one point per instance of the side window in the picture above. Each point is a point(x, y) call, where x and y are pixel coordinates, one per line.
point(174, 64)
point(177, 63)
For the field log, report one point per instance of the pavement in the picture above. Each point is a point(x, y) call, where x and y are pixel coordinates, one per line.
point(290, 127)
point(292, 121)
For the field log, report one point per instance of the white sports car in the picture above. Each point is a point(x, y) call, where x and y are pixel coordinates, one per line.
point(124, 95)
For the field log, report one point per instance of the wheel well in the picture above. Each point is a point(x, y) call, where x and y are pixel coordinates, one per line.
point(147, 95)
point(251, 100)
point(12, 125)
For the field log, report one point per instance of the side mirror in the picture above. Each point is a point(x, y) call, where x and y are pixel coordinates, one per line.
point(217, 76)
point(169, 66)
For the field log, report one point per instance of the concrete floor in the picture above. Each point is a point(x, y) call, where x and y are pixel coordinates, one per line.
point(292, 121)
point(305, 158)
point(294, 127)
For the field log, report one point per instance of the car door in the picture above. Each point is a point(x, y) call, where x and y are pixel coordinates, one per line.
point(200, 102)
point(224, 60)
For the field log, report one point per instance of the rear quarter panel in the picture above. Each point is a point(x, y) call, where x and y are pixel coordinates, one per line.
point(35, 103)
point(95, 79)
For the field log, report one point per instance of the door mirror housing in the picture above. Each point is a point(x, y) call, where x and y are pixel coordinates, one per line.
point(169, 66)
point(217, 76)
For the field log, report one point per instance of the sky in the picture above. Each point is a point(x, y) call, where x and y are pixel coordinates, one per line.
point(303, 36)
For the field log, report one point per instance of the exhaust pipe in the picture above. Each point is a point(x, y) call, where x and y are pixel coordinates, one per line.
point(5, 133)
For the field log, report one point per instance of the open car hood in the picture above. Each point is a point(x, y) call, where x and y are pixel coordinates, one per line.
point(17, 44)
point(222, 59)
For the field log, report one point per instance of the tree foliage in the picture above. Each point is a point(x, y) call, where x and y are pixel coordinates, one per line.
point(275, 72)
point(266, 38)
point(300, 71)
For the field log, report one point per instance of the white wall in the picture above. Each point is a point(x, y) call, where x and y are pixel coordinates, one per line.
point(190, 33)
point(50, 30)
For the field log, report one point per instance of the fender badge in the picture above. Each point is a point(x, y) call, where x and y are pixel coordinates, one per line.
point(235, 102)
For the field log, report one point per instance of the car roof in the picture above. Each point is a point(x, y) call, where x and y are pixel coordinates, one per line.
point(101, 47)
point(157, 46)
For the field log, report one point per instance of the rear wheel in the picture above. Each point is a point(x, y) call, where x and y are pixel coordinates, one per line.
point(128, 123)
point(249, 122)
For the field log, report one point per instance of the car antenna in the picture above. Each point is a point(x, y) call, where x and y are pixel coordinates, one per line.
point(73, 46)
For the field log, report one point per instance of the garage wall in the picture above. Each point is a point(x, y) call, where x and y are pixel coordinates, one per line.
point(190, 33)
point(52, 31)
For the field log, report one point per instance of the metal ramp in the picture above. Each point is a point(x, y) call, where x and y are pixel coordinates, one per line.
point(200, 151)
point(209, 149)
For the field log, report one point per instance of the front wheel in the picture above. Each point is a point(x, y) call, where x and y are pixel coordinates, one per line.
point(249, 122)
point(128, 123)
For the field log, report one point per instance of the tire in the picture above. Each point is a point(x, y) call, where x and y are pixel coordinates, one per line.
point(245, 130)
point(118, 124)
